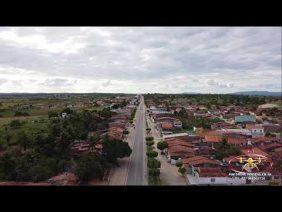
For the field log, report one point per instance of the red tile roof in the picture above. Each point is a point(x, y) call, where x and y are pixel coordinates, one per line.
point(211, 172)
point(254, 150)
point(213, 138)
point(198, 160)
point(233, 140)
point(166, 126)
point(65, 178)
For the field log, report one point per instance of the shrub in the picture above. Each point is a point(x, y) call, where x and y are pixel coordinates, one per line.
point(52, 114)
point(150, 148)
point(182, 170)
point(154, 172)
point(16, 124)
point(152, 154)
point(153, 163)
point(125, 132)
point(149, 138)
point(150, 143)
point(20, 113)
point(162, 145)
point(179, 164)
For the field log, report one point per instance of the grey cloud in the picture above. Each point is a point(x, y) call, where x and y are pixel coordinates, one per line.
point(107, 84)
point(58, 82)
point(147, 54)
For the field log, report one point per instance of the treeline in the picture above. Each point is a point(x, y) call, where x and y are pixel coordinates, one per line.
point(208, 100)
point(43, 155)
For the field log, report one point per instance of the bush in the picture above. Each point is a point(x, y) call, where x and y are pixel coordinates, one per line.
point(162, 145)
point(182, 170)
point(154, 172)
point(179, 164)
point(16, 124)
point(150, 143)
point(150, 148)
point(20, 113)
point(149, 138)
point(153, 163)
point(52, 114)
point(125, 132)
point(152, 154)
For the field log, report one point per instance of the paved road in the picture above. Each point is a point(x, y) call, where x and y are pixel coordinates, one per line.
point(136, 169)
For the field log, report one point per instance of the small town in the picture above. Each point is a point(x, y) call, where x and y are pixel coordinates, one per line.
point(148, 139)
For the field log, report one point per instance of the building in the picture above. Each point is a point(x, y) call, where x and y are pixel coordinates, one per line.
point(212, 176)
point(243, 119)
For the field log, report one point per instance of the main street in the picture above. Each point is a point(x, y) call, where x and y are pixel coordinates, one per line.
point(137, 168)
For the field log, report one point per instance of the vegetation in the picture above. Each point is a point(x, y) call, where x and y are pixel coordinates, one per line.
point(182, 170)
point(114, 149)
point(162, 145)
point(224, 149)
point(152, 154)
point(38, 148)
point(179, 164)
point(153, 163)
point(90, 166)
point(149, 138)
point(150, 143)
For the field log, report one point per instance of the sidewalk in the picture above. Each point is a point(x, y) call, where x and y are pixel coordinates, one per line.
point(118, 175)
point(169, 173)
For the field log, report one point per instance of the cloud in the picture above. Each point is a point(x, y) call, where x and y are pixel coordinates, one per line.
point(2, 81)
point(107, 84)
point(58, 82)
point(136, 59)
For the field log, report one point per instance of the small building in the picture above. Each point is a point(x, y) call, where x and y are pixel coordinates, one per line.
point(212, 176)
point(243, 119)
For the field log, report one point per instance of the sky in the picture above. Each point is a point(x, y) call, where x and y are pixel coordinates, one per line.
point(140, 59)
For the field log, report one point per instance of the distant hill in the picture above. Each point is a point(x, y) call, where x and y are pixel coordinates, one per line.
point(258, 93)
point(190, 93)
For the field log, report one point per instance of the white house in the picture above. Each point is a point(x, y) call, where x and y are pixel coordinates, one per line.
point(215, 177)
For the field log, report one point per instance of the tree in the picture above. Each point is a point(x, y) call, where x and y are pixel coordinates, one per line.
point(224, 149)
point(114, 149)
point(23, 140)
point(67, 111)
point(182, 170)
point(52, 114)
point(150, 143)
point(90, 166)
point(153, 163)
point(20, 113)
point(149, 138)
point(162, 145)
point(152, 154)
point(16, 124)
point(154, 172)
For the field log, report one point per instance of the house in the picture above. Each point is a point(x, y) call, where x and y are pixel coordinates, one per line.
point(237, 141)
point(211, 139)
point(255, 150)
point(212, 176)
point(166, 126)
point(221, 125)
point(64, 179)
point(256, 129)
point(177, 123)
point(79, 147)
point(199, 161)
point(115, 133)
point(272, 128)
point(177, 152)
point(243, 119)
